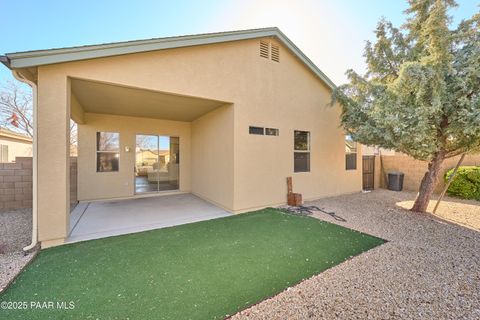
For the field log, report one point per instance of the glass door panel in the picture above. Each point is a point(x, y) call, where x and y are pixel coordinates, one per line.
point(146, 162)
point(156, 163)
point(173, 164)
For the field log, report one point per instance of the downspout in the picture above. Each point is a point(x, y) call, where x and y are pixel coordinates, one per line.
point(33, 85)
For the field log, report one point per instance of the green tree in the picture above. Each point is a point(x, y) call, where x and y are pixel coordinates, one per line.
point(421, 92)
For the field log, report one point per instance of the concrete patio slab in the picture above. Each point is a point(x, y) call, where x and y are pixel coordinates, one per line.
point(100, 219)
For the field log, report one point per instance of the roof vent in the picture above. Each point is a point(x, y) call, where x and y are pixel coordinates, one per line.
point(269, 50)
point(275, 53)
point(264, 49)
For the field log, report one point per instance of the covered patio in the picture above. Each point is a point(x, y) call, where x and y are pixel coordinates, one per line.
point(100, 219)
point(147, 125)
point(148, 180)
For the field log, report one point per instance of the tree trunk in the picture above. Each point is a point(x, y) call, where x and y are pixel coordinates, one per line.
point(428, 183)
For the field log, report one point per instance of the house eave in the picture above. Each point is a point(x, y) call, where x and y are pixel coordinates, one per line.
point(45, 57)
point(4, 60)
point(15, 136)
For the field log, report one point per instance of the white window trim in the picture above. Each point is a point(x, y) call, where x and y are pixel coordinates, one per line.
point(308, 141)
point(351, 152)
point(309, 147)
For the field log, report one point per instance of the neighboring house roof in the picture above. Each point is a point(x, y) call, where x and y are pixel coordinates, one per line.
point(154, 152)
point(5, 133)
point(36, 58)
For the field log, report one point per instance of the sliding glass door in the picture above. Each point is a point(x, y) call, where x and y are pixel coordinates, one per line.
point(157, 160)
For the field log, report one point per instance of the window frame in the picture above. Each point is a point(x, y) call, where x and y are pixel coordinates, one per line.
point(297, 151)
point(268, 132)
point(97, 151)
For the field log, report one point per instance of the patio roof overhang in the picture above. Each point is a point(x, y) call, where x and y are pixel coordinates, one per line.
point(106, 98)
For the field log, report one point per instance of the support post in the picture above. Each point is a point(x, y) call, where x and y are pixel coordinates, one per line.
point(53, 158)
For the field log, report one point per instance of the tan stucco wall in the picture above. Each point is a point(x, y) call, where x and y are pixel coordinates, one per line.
point(103, 185)
point(283, 95)
point(289, 97)
point(76, 112)
point(16, 148)
point(212, 157)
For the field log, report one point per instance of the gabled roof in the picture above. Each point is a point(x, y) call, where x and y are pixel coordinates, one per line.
point(36, 58)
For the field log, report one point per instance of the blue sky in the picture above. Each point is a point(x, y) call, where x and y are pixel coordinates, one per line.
point(330, 32)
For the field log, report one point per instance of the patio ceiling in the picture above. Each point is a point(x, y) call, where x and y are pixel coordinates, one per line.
point(105, 98)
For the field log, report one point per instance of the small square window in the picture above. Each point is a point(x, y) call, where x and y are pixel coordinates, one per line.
point(301, 161)
point(351, 161)
point(271, 132)
point(108, 141)
point(107, 161)
point(256, 130)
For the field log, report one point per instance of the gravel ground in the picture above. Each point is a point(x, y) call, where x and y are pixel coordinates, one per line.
point(15, 233)
point(459, 211)
point(429, 269)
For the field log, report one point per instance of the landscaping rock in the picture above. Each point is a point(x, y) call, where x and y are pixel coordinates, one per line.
point(428, 269)
point(15, 233)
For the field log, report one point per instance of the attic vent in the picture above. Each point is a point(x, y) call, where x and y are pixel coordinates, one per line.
point(275, 53)
point(264, 49)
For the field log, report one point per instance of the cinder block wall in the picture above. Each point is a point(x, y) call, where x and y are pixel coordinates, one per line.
point(414, 170)
point(16, 183)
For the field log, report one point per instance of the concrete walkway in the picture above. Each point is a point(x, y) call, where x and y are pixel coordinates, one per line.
point(93, 220)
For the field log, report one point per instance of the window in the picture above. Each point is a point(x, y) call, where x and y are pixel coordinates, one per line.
point(3, 153)
point(271, 132)
point(255, 130)
point(350, 153)
point(301, 154)
point(108, 151)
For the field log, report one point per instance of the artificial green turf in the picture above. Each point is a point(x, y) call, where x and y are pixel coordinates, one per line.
point(203, 270)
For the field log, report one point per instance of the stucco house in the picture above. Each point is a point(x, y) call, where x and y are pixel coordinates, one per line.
point(14, 144)
point(237, 111)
